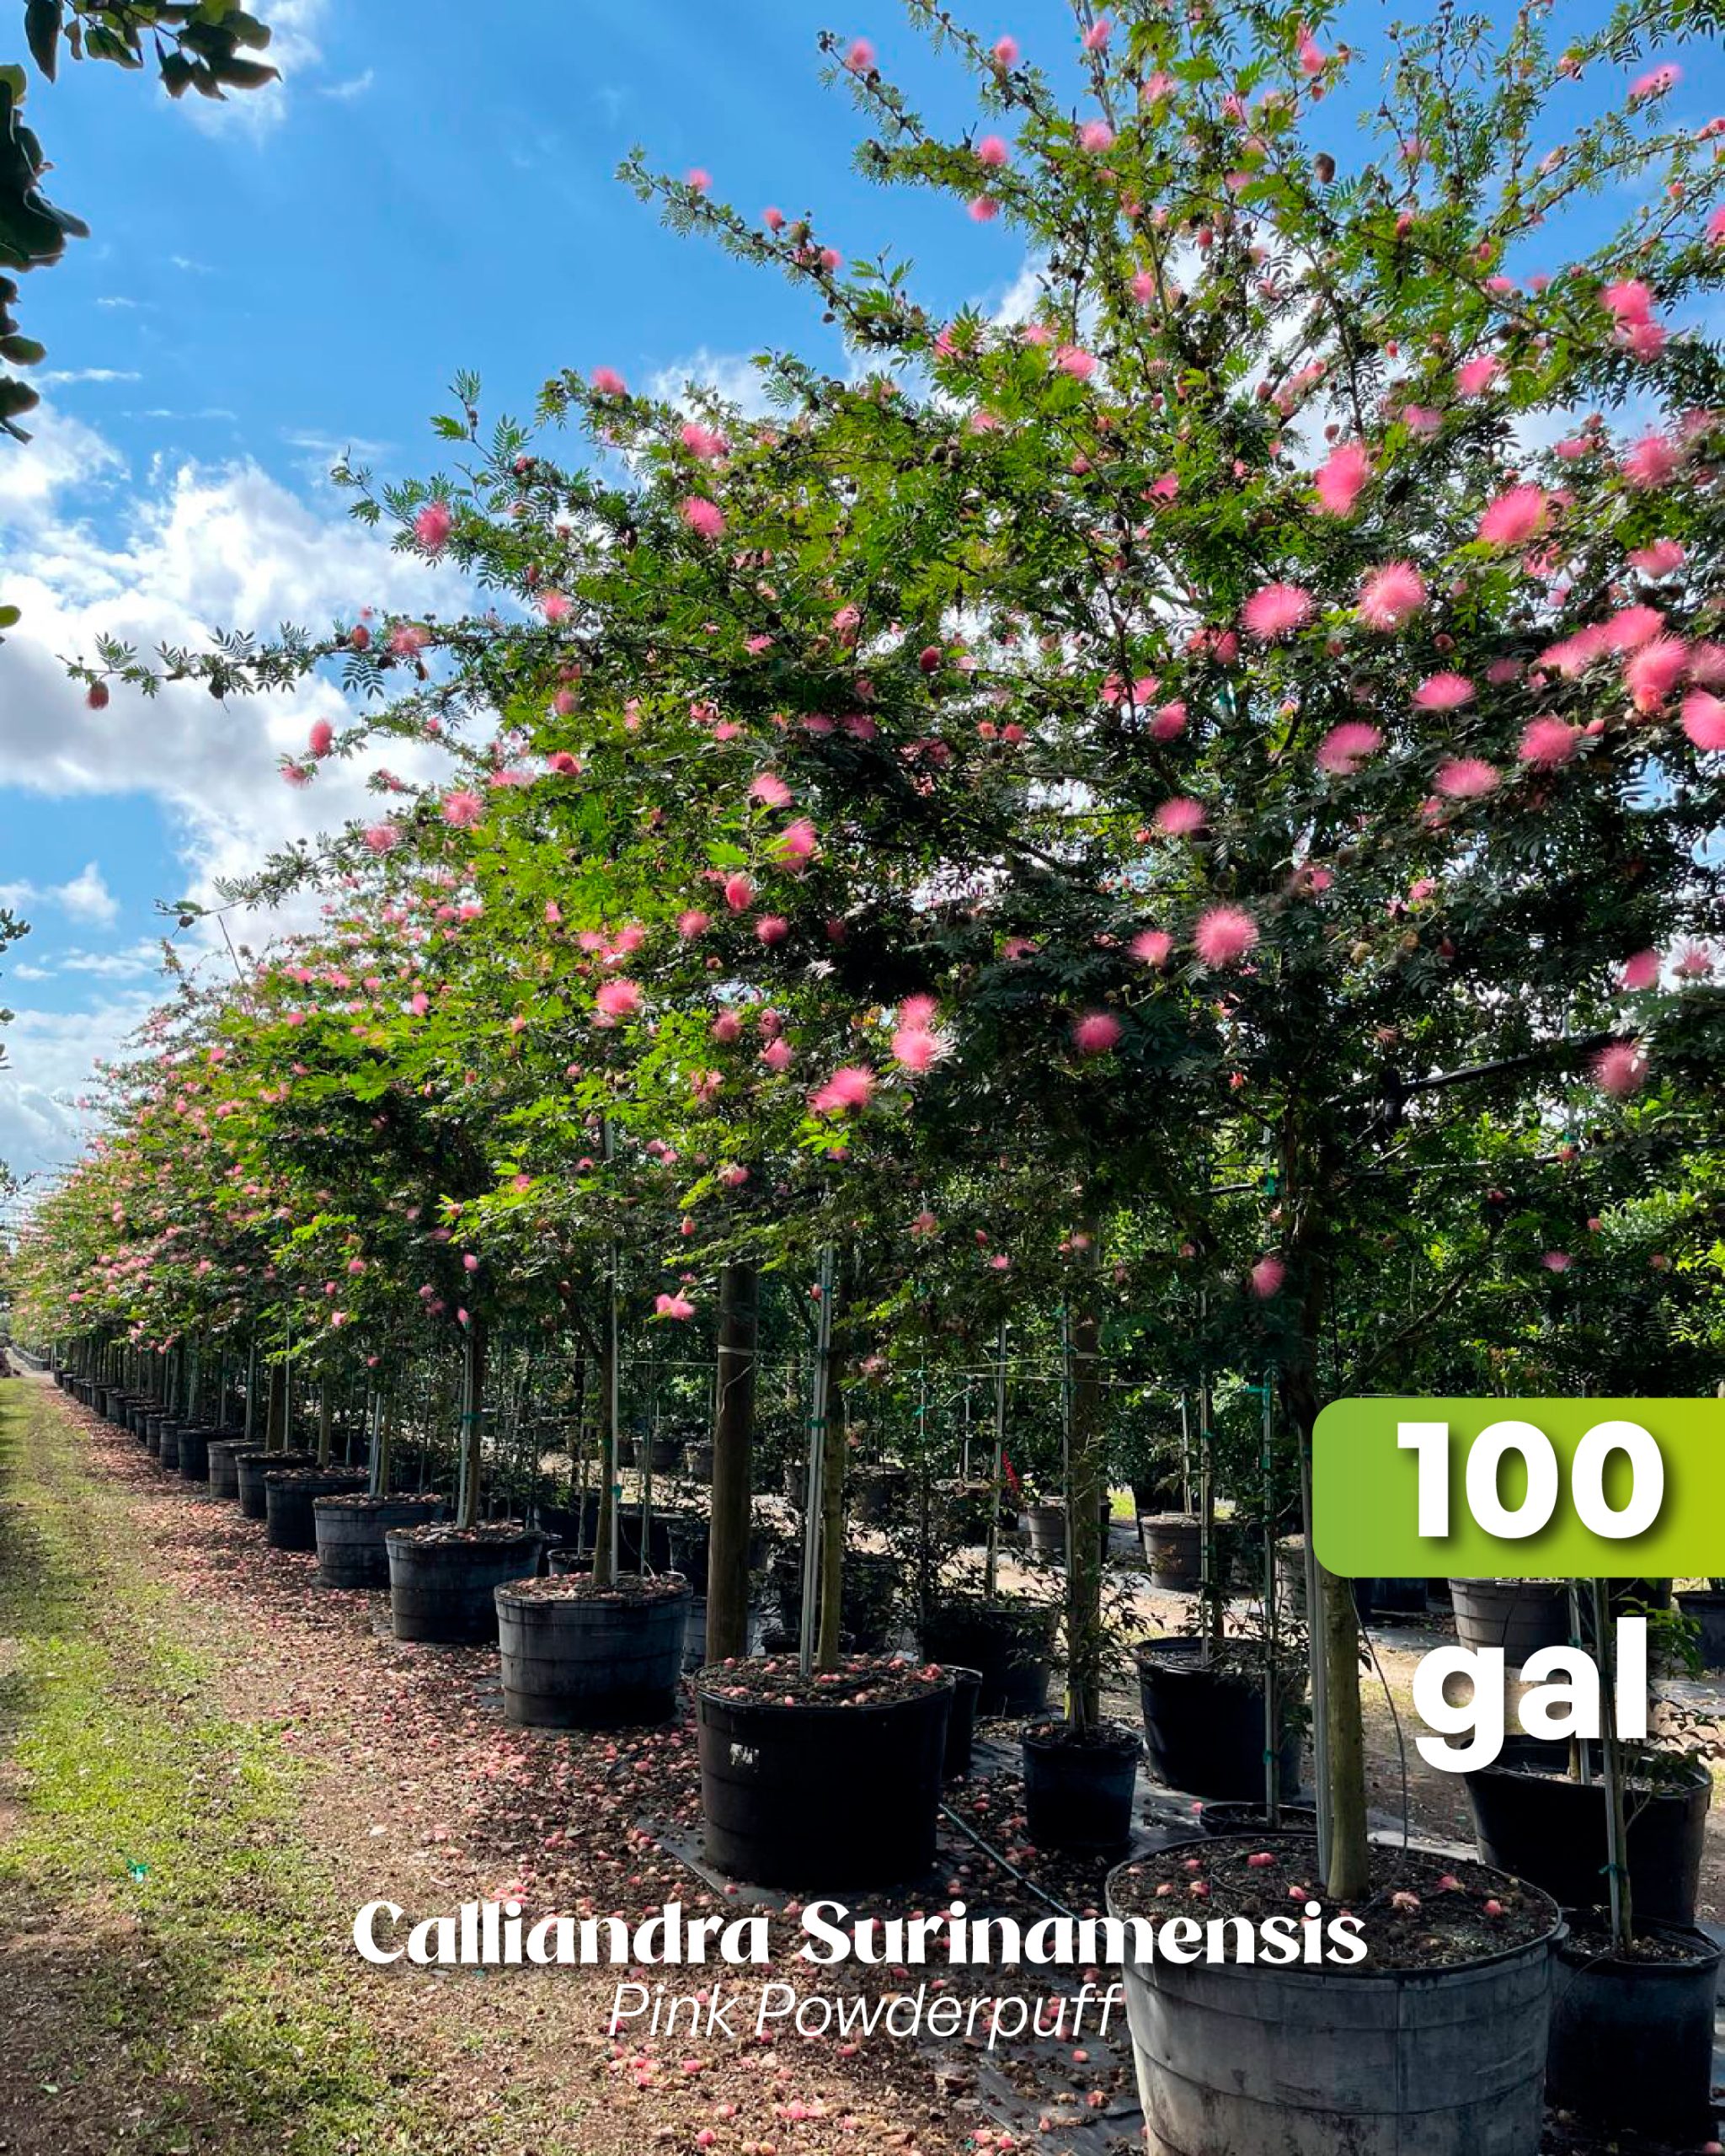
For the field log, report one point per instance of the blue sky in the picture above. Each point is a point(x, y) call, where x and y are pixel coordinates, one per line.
point(305, 271)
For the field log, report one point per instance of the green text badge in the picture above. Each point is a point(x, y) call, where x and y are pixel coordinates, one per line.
point(1513, 1489)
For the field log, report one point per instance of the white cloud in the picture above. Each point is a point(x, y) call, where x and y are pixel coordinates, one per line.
point(355, 86)
point(293, 49)
point(57, 376)
point(86, 897)
point(143, 958)
point(51, 1054)
point(62, 452)
point(733, 375)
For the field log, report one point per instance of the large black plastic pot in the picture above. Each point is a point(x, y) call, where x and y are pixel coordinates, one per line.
point(1046, 1526)
point(250, 1467)
point(579, 1523)
point(1633, 2040)
point(1519, 1616)
point(961, 1722)
point(167, 1442)
point(1706, 1606)
point(1245, 2058)
point(349, 1531)
point(1078, 1795)
point(1011, 1644)
point(194, 1452)
point(224, 1471)
point(1388, 1597)
point(697, 1460)
point(1551, 1830)
point(878, 1493)
point(818, 1795)
point(290, 1494)
point(573, 1659)
point(1204, 1727)
point(443, 1588)
point(1174, 1544)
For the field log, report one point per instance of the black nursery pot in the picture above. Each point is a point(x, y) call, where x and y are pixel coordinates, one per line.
point(251, 1467)
point(224, 1473)
point(1706, 1606)
point(576, 1659)
point(810, 1795)
point(290, 1495)
point(1551, 1830)
point(1631, 2041)
point(1011, 1646)
point(1078, 1791)
point(1204, 1727)
point(194, 1452)
point(442, 1584)
point(961, 1722)
point(168, 1441)
point(349, 1531)
point(579, 1523)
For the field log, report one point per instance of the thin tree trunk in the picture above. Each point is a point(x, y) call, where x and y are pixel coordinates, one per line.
point(275, 1411)
point(733, 1445)
point(832, 1525)
point(326, 1423)
point(605, 1528)
point(1085, 1484)
point(472, 1425)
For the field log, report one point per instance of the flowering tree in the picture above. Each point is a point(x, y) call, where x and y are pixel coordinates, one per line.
point(1200, 732)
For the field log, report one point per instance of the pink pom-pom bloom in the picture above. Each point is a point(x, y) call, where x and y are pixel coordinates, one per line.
point(705, 518)
point(772, 928)
point(692, 922)
point(1224, 935)
point(1004, 52)
point(1621, 1069)
point(1546, 743)
point(1444, 692)
point(1466, 778)
point(617, 999)
point(1276, 610)
point(1179, 818)
point(673, 1306)
point(1652, 461)
point(1656, 82)
point(1096, 1032)
point(850, 1086)
point(739, 891)
point(462, 808)
point(322, 738)
point(1391, 595)
point(1660, 559)
point(916, 1049)
point(1152, 947)
point(433, 525)
point(1642, 971)
point(1517, 516)
point(1267, 1276)
point(769, 788)
point(1475, 376)
point(1075, 361)
point(1340, 479)
point(1344, 748)
point(608, 382)
point(1654, 671)
point(1704, 719)
point(861, 56)
point(1097, 136)
point(796, 845)
point(992, 150)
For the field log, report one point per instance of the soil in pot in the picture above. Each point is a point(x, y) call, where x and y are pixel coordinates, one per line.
point(290, 1494)
point(1078, 1786)
point(350, 1532)
point(251, 1467)
point(961, 1721)
point(443, 1579)
point(1242, 1818)
point(1706, 1607)
point(1434, 2043)
point(1174, 1544)
point(832, 1780)
point(1551, 1830)
point(577, 1655)
point(1632, 2031)
point(1204, 1721)
point(1012, 1643)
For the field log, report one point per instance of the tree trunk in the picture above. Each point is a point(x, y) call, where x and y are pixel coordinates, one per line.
point(832, 1526)
point(733, 1447)
point(473, 1424)
point(326, 1421)
point(275, 1413)
point(1085, 1484)
point(605, 1527)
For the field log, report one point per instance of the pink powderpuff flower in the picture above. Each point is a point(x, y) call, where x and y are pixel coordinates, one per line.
point(739, 891)
point(1646, 340)
point(1704, 720)
point(692, 922)
point(554, 606)
point(916, 1049)
point(1629, 300)
point(1654, 671)
point(1341, 477)
point(983, 211)
point(726, 1028)
point(796, 845)
point(1621, 1069)
point(433, 525)
point(1096, 38)
point(1444, 692)
point(772, 928)
point(462, 808)
point(608, 382)
point(1660, 559)
point(1652, 461)
point(861, 56)
point(918, 1011)
point(1267, 1276)
point(705, 518)
point(733, 1175)
point(1656, 82)
point(1517, 516)
point(698, 178)
point(322, 738)
point(1546, 743)
point(1311, 55)
point(1075, 361)
point(1557, 1260)
point(1224, 935)
point(617, 999)
point(673, 1306)
point(1143, 287)
point(1473, 377)
point(1152, 947)
point(1694, 962)
point(1096, 135)
point(1096, 1032)
point(850, 1086)
point(1179, 818)
point(1004, 52)
point(769, 788)
point(1715, 227)
point(1344, 748)
point(1629, 627)
point(1276, 610)
point(1642, 971)
point(1466, 778)
point(992, 150)
point(1169, 721)
point(778, 1055)
point(1392, 595)
point(381, 838)
point(774, 220)
point(1706, 664)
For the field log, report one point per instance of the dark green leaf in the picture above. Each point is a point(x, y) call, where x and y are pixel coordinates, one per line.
point(41, 28)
